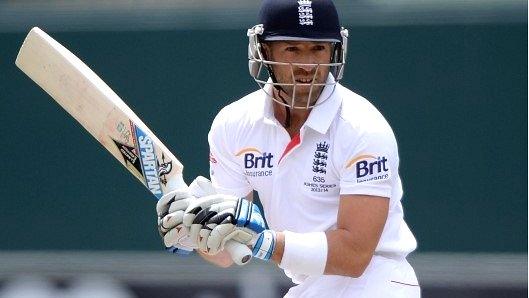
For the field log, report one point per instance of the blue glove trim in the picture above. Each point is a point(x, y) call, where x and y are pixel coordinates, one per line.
point(257, 222)
point(242, 212)
point(178, 251)
point(265, 245)
point(257, 245)
point(249, 215)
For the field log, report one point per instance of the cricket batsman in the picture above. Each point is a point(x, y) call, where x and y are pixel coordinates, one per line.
point(322, 159)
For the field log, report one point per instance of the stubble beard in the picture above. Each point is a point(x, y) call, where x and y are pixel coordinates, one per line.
point(302, 90)
point(301, 95)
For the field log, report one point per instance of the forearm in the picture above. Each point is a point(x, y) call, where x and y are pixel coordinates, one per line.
point(344, 255)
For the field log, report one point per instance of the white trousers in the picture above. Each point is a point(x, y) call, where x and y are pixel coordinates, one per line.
point(383, 277)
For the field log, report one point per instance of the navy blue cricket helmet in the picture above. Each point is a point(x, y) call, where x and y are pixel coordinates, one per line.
point(300, 20)
point(295, 20)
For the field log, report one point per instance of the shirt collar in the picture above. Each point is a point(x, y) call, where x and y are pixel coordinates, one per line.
point(322, 115)
point(266, 110)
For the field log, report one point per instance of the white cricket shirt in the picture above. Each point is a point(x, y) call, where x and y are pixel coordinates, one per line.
point(345, 147)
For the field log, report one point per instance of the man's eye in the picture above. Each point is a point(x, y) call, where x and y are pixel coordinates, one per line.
point(291, 49)
point(318, 48)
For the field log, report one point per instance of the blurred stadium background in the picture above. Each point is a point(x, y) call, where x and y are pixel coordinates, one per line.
point(449, 75)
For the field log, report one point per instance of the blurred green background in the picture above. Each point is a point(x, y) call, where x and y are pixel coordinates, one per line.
point(449, 75)
point(455, 95)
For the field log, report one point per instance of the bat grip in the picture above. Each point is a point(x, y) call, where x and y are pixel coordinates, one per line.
point(240, 253)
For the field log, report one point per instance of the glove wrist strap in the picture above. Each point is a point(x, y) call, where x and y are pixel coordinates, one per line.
point(265, 245)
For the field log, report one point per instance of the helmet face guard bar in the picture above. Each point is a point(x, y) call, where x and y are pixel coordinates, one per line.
point(264, 78)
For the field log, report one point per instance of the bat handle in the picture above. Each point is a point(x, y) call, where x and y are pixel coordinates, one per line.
point(240, 253)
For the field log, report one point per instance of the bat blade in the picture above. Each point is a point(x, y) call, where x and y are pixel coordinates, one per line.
point(90, 101)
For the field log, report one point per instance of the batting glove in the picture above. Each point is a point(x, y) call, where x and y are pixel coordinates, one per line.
point(215, 219)
point(170, 209)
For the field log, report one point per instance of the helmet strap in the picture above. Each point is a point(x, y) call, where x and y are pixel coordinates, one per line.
point(279, 89)
point(287, 109)
point(336, 57)
point(271, 71)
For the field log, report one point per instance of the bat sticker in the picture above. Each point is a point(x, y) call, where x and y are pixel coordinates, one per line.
point(129, 155)
point(149, 162)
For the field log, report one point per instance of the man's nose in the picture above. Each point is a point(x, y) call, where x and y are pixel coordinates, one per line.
point(307, 62)
point(307, 67)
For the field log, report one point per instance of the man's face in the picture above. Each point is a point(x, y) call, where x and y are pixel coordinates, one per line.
point(305, 52)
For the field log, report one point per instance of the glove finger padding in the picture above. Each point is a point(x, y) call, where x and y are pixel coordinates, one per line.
point(202, 203)
point(202, 219)
point(242, 224)
point(178, 236)
point(165, 202)
point(180, 205)
point(170, 209)
point(202, 240)
point(201, 187)
point(218, 237)
point(220, 225)
point(225, 232)
point(170, 221)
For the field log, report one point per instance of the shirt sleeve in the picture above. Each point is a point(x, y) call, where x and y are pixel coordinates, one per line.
point(371, 166)
point(226, 175)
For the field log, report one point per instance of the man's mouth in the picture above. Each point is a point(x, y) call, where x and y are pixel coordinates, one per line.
point(304, 81)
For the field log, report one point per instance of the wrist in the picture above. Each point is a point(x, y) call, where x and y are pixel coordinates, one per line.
point(277, 255)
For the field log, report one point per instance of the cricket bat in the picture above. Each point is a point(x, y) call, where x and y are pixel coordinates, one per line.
point(76, 88)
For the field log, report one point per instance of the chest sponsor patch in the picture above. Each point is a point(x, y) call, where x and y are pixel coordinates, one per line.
point(369, 167)
point(255, 162)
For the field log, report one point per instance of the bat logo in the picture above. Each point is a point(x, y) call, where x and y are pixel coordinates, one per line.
point(143, 164)
point(164, 168)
